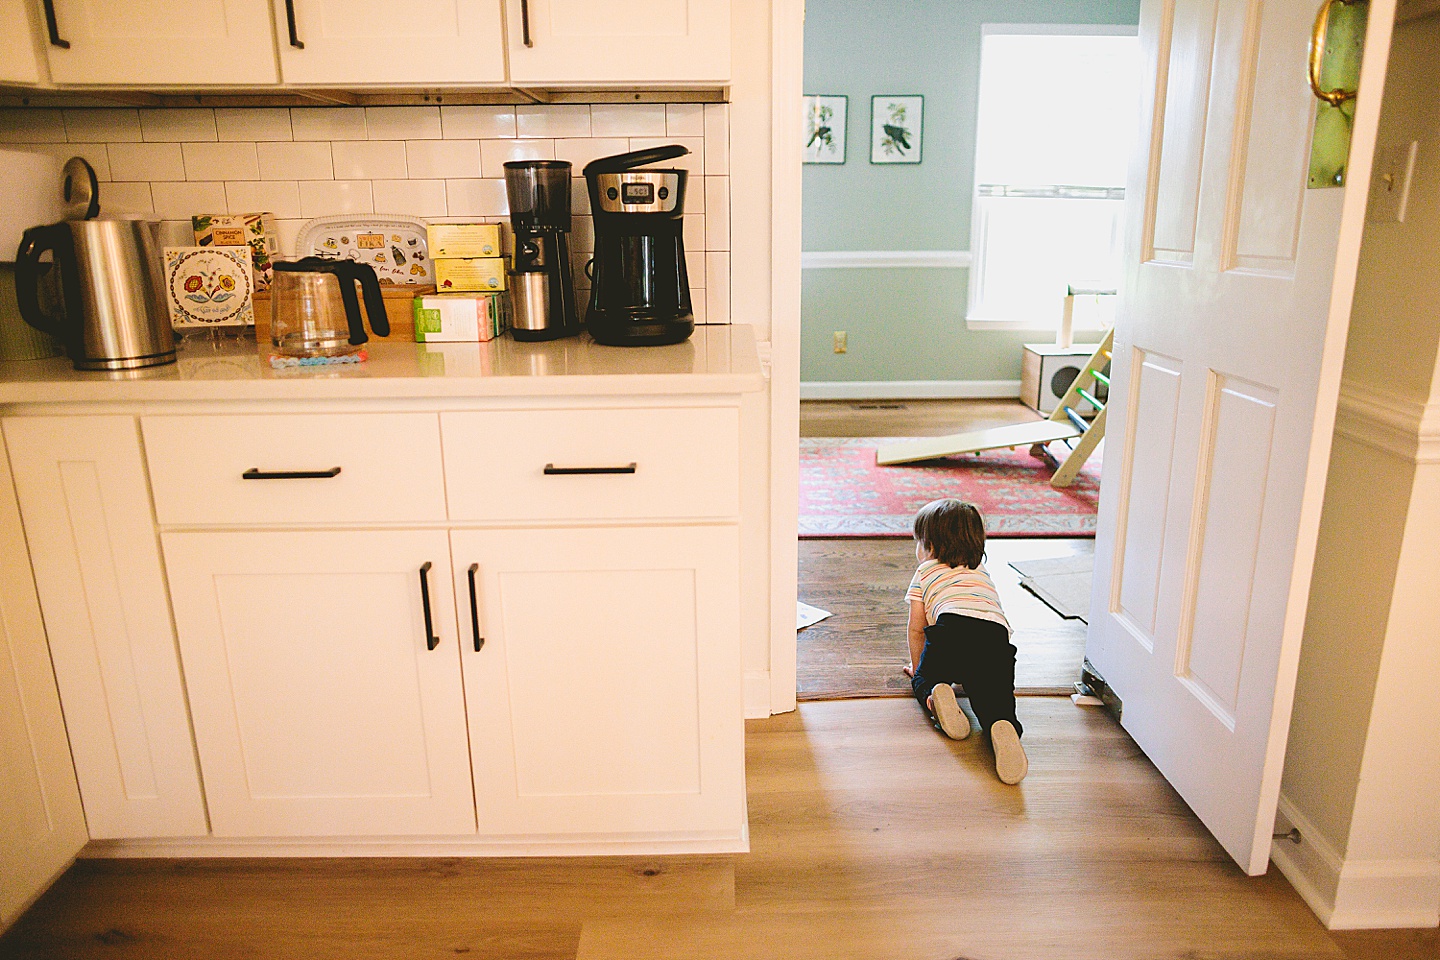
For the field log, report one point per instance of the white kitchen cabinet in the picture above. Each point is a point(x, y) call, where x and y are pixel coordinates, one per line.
point(20, 59)
point(86, 506)
point(42, 826)
point(321, 708)
point(202, 43)
point(366, 42)
point(618, 42)
point(604, 697)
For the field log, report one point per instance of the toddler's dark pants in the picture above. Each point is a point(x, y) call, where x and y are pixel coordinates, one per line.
point(978, 655)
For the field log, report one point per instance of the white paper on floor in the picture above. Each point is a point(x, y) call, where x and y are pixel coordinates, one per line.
point(808, 616)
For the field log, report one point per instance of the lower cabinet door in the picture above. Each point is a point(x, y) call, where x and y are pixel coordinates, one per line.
point(605, 697)
point(326, 702)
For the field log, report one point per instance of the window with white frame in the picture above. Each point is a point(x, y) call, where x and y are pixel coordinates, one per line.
point(1057, 115)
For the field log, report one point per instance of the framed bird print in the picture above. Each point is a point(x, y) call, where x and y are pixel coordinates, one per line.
point(825, 129)
point(895, 128)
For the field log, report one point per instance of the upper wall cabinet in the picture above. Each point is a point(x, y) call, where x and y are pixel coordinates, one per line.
point(363, 42)
point(618, 42)
point(160, 42)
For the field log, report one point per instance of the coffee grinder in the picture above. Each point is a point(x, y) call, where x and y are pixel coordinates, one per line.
point(542, 296)
point(640, 292)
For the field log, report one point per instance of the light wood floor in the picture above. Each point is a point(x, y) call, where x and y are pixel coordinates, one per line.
point(907, 418)
point(871, 836)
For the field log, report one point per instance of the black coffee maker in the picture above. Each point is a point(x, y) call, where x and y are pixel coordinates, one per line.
point(639, 290)
point(542, 293)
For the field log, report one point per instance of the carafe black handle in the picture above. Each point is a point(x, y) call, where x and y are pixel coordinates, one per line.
point(374, 299)
point(350, 273)
point(34, 242)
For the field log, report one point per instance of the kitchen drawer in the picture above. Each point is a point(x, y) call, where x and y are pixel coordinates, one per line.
point(389, 468)
point(576, 464)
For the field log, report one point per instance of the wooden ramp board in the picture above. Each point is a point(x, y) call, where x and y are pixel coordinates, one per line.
point(1013, 435)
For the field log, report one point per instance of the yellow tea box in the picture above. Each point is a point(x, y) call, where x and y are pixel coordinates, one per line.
point(461, 316)
point(473, 275)
point(463, 240)
point(253, 230)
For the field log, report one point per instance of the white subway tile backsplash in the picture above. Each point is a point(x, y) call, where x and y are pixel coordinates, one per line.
point(253, 123)
point(121, 199)
point(581, 150)
point(552, 120)
point(442, 159)
point(441, 163)
point(627, 119)
point(694, 161)
point(476, 198)
point(685, 119)
point(102, 126)
point(32, 126)
point(278, 197)
point(177, 126)
point(328, 123)
point(294, 161)
point(717, 139)
point(369, 159)
point(221, 161)
point(181, 201)
point(494, 154)
point(329, 198)
point(717, 225)
point(717, 288)
point(403, 123)
point(146, 161)
point(477, 123)
point(414, 198)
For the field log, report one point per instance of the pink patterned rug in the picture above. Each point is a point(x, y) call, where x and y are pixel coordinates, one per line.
point(843, 493)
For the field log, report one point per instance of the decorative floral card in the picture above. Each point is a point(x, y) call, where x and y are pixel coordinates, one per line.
point(825, 129)
point(209, 287)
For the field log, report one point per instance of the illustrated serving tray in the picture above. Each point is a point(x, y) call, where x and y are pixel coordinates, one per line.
point(394, 245)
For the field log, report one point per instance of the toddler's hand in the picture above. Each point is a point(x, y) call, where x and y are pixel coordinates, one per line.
point(909, 669)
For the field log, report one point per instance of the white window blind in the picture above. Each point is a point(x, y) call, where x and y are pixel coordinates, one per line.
point(1057, 114)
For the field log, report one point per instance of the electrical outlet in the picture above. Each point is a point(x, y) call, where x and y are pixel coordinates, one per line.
point(840, 345)
point(1390, 182)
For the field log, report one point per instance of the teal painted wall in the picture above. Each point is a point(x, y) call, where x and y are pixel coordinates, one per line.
point(906, 324)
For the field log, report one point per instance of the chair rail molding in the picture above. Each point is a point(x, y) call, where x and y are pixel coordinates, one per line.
point(878, 259)
point(1385, 421)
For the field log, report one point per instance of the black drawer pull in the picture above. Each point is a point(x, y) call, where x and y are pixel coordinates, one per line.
point(255, 473)
point(431, 641)
point(475, 609)
point(53, 26)
point(553, 471)
point(290, 22)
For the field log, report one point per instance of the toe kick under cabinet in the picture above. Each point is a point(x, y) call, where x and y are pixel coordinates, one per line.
point(513, 628)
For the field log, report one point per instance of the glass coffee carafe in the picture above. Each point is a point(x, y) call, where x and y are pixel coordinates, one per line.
point(314, 311)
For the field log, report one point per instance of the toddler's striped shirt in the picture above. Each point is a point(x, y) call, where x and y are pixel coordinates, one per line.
point(945, 589)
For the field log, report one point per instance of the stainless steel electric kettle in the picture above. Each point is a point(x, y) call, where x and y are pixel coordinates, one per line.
point(113, 313)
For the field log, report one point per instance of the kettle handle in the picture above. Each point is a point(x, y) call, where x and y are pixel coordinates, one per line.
point(34, 242)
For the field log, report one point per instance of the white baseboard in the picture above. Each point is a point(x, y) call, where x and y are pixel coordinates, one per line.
point(1356, 895)
point(757, 694)
point(909, 389)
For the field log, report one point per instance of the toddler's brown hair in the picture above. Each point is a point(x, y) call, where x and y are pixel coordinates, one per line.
point(953, 531)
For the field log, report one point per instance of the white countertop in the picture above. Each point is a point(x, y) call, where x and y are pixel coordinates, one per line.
point(717, 359)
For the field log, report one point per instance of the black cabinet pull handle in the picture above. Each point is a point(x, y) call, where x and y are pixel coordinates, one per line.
point(475, 608)
point(53, 25)
point(289, 20)
point(553, 471)
point(255, 473)
point(431, 641)
point(524, 23)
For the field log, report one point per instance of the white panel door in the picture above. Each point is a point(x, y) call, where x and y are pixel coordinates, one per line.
point(618, 42)
point(1228, 351)
point(604, 698)
point(42, 826)
point(190, 42)
point(362, 42)
point(86, 505)
point(321, 708)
